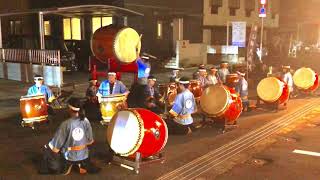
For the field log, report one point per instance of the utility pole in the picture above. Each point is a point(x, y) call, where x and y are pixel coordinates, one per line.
point(262, 15)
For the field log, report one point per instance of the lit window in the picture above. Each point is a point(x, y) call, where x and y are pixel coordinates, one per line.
point(76, 28)
point(159, 29)
point(67, 28)
point(72, 28)
point(98, 22)
point(47, 28)
point(106, 21)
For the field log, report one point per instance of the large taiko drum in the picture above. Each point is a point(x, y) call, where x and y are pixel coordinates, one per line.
point(306, 79)
point(137, 130)
point(170, 91)
point(110, 105)
point(232, 80)
point(221, 102)
point(33, 109)
point(195, 88)
point(123, 43)
point(272, 89)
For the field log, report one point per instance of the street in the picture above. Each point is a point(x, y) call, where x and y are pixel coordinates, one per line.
point(21, 150)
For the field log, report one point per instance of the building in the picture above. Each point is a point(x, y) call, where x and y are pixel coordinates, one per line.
point(171, 30)
point(218, 15)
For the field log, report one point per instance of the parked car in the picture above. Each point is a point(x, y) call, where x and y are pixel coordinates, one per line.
point(29, 42)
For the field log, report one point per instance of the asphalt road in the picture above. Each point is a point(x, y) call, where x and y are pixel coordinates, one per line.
point(21, 147)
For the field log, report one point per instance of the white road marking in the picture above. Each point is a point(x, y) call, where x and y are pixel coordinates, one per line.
point(306, 152)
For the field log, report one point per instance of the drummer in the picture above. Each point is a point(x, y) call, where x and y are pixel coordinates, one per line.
point(181, 121)
point(72, 140)
point(152, 95)
point(287, 78)
point(196, 74)
point(111, 86)
point(175, 75)
point(40, 89)
point(202, 77)
point(223, 72)
point(213, 77)
point(144, 69)
point(242, 89)
point(92, 107)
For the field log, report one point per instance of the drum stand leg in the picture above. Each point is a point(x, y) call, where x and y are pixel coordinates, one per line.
point(228, 127)
point(135, 164)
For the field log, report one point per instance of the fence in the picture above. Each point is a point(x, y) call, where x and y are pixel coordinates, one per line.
point(30, 56)
point(22, 64)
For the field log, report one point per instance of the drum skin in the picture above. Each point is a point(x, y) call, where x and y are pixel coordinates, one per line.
point(282, 92)
point(153, 133)
point(110, 105)
point(33, 108)
point(232, 80)
point(306, 79)
point(195, 88)
point(121, 43)
point(221, 102)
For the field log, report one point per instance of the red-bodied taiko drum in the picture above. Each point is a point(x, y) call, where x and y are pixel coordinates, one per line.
point(221, 102)
point(273, 90)
point(122, 43)
point(33, 109)
point(137, 130)
point(195, 88)
point(306, 79)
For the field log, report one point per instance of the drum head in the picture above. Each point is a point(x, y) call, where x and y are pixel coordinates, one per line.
point(214, 99)
point(127, 45)
point(270, 89)
point(304, 78)
point(125, 132)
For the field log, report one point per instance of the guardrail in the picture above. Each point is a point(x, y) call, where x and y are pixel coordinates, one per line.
point(31, 56)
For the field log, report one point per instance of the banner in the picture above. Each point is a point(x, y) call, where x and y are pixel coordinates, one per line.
point(252, 44)
point(239, 34)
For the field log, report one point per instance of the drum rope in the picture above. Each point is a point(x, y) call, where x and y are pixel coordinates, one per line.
point(270, 128)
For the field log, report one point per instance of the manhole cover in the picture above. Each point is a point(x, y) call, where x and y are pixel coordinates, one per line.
point(260, 161)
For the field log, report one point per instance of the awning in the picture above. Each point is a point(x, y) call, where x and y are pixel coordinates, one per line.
point(81, 10)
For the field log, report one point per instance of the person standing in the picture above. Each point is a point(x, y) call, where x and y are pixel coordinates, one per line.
point(242, 89)
point(223, 72)
point(213, 77)
point(203, 78)
point(287, 78)
point(92, 107)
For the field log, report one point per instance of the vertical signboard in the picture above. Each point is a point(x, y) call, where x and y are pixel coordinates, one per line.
point(239, 34)
point(252, 44)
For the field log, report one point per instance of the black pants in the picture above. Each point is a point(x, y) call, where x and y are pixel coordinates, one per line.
point(92, 111)
point(176, 128)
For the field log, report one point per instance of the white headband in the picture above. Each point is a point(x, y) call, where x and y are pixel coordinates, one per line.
point(112, 73)
point(184, 82)
point(73, 108)
point(202, 70)
point(153, 79)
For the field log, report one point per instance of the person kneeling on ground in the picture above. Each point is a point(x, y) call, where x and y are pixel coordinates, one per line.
point(71, 140)
point(181, 121)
